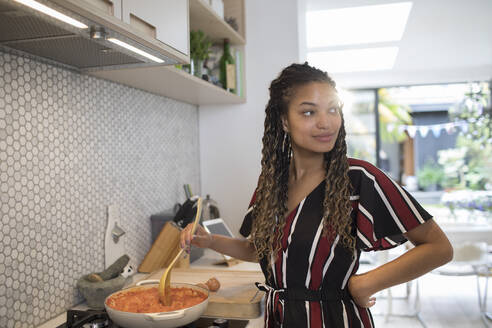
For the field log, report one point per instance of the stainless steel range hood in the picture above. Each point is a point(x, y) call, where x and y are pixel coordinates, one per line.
point(96, 47)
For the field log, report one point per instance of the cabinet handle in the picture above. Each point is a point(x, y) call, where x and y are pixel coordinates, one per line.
point(142, 26)
point(105, 5)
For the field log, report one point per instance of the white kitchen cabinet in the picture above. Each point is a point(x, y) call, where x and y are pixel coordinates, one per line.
point(165, 20)
point(110, 7)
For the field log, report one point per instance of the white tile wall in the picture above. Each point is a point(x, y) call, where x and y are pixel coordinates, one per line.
point(70, 145)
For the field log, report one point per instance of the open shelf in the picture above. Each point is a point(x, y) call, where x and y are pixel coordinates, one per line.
point(173, 83)
point(202, 17)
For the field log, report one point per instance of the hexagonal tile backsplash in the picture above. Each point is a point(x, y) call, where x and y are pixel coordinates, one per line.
point(70, 145)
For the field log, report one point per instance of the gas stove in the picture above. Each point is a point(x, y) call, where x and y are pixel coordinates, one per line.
point(100, 319)
point(88, 319)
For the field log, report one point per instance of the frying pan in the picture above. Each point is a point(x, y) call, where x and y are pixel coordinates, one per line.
point(160, 319)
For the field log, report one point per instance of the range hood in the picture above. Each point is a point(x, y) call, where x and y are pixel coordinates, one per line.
point(96, 41)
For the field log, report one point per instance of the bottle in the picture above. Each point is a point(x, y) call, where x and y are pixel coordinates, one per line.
point(227, 69)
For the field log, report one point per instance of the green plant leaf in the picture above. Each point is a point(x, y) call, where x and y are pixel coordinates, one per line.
point(199, 45)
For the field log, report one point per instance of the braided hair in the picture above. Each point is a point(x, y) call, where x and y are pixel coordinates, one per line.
point(271, 194)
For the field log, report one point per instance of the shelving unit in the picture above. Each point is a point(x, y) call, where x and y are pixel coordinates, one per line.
point(171, 82)
point(202, 17)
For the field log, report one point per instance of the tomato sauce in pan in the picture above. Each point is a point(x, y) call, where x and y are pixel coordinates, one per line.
point(146, 300)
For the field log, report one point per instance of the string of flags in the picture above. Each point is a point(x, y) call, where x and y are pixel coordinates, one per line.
point(424, 130)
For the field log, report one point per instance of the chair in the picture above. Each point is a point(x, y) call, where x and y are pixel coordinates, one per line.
point(483, 272)
point(471, 259)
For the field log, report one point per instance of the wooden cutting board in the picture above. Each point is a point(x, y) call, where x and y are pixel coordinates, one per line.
point(163, 250)
point(237, 297)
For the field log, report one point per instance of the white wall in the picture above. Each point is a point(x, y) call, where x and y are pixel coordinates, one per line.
point(230, 136)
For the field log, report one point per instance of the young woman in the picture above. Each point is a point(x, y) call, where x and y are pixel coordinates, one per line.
point(315, 210)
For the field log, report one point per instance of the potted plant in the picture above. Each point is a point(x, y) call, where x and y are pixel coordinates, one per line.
point(199, 51)
point(430, 176)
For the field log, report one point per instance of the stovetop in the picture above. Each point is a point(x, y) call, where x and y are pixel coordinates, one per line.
point(100, 319)
point(88, 319)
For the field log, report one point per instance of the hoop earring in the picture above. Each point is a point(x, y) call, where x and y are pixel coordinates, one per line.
point(286, 143)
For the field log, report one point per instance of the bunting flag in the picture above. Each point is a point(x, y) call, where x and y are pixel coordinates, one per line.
point(423, 129)
point(449, 128)
point(412, 130)
point(436, 129)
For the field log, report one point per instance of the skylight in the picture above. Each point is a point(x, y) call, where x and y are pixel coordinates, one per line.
point(357, 25)
point(353, 60)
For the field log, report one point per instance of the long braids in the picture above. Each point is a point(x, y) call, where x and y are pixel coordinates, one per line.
point(336, 204)
point(271, 194)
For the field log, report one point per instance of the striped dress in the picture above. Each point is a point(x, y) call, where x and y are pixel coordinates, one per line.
point(308, 284)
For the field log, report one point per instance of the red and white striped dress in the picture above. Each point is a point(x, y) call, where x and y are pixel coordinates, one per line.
point(309, 263)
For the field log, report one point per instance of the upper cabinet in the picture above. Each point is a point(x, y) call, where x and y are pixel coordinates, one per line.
point(164, 20)
point(91, 35)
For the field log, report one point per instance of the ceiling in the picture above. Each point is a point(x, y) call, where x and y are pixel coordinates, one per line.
point(444, 41)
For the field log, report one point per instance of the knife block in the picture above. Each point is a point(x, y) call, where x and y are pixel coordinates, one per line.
point(158, 221)
point(163, 250)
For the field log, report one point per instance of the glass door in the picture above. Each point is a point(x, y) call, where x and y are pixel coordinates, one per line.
point(361, 124)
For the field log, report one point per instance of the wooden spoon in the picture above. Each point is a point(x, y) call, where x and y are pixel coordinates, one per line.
point(165, 282)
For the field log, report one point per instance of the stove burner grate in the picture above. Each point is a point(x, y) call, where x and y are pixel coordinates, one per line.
point(88, 319)
point(100, 319)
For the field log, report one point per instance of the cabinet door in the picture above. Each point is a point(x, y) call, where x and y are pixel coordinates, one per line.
point(165, 20)
point(110, 7)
